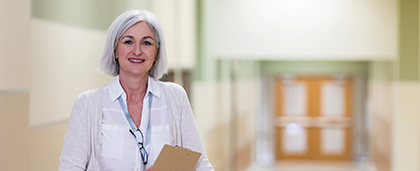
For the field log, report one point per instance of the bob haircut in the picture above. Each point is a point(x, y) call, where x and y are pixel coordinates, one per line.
point(108, 65)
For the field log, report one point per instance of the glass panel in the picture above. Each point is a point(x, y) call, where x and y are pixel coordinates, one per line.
point(294, 99)
point(294, 139)
point(332, 99)
point(332, 141)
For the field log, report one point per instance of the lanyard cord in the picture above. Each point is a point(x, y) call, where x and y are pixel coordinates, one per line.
point(133, 126)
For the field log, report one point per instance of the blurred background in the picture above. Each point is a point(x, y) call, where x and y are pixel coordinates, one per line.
point(274, 84)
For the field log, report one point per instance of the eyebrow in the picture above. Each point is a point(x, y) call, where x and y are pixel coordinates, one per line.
point(127, 36)
point(143, 38)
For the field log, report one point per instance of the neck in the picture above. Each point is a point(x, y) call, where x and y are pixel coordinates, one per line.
point(134, 86)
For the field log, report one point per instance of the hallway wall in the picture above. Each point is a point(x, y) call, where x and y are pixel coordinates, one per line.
point(381, 108)
point(14, 84)
point(259, 30)
point(394, 115)
point(226, 110)
point(14, 132)
point(14, 44)
point(395, 96)
point(64, 61)
point(302, 30)
point(406, 150)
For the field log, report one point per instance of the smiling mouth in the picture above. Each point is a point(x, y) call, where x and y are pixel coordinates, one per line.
point(136, 60)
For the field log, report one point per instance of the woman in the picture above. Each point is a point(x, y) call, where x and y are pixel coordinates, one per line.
point(124, 124)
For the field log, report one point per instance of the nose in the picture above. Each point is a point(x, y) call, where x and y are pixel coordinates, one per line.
point(137, 50)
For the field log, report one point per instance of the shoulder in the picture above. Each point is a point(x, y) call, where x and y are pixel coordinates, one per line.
point(88, 103)
point(172, 88)
point(174, 93)
point(91, 95)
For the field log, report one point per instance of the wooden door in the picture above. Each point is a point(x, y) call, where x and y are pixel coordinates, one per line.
point(313, 118)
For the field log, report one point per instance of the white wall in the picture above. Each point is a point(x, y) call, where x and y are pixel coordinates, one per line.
point(14, 45)
point(225, 112)
point(14, 84)
point(406, 129)
point(304, 29)
point(178, 22)
point(63, 64)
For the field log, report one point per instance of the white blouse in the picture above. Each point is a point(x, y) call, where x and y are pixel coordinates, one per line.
point(120, 149)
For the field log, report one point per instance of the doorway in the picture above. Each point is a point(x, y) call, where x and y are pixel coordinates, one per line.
point(313, 117)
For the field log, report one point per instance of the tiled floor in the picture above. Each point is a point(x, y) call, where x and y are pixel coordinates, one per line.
point(313, 166)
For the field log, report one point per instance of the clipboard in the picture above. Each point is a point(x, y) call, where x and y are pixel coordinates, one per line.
point(173, 158)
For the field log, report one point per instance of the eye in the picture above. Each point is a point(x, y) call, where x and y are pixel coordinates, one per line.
point(146, 43)
point(128, 42)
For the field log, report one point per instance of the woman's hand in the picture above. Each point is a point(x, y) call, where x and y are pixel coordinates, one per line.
point(150, 168)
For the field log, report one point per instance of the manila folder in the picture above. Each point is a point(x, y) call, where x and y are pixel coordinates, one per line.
point(173, 158)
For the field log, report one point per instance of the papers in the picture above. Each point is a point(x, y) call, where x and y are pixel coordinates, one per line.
point(173, 158)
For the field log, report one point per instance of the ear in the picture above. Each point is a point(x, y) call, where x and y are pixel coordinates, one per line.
point(115, 54)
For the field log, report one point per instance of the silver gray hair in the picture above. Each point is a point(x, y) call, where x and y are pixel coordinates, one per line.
point(108, 65)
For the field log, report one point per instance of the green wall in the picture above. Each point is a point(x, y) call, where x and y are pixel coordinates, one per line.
point(382, 71)
point(239, 69)
point(409, 40)
point(94, 14)
point(314, 67)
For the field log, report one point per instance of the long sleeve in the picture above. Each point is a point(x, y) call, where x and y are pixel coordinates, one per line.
point(190, 135)
point(76, 150)
point(184, 131)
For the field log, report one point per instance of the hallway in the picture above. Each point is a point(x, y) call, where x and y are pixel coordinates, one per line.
point(313, 166)
point(247, 68)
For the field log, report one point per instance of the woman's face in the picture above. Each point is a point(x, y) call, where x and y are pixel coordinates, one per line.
point(136, 50)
